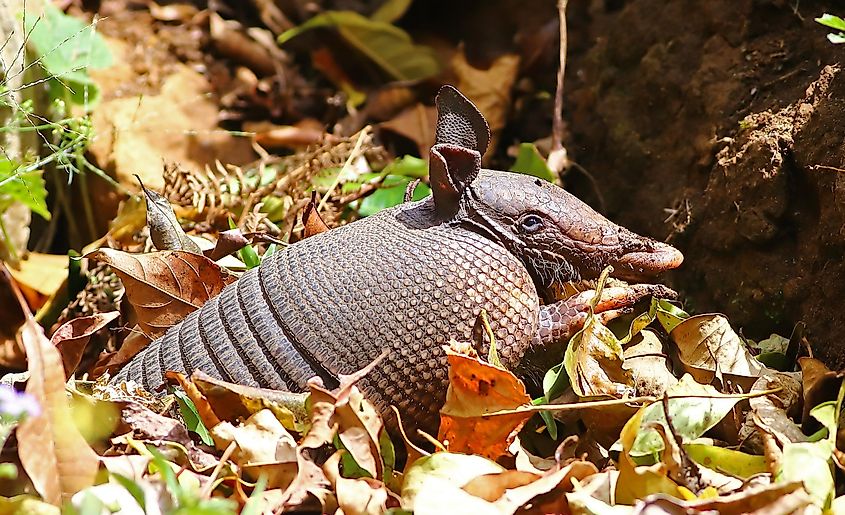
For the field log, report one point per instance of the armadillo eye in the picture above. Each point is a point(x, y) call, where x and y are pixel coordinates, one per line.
point(531, 223)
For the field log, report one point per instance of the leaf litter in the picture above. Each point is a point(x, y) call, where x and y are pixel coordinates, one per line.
point(660, 411)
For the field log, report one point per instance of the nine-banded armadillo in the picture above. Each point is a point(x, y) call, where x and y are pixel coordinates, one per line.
point(408, 280)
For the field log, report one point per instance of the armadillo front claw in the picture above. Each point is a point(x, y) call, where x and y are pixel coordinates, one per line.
point(561, 320)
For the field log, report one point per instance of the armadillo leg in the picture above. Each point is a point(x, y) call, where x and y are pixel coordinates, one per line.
point(561, 320)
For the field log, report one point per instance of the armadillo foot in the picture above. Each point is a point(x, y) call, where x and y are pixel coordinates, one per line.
point(561, 320)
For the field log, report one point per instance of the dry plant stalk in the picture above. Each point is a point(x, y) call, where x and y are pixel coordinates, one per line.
point(214, 195)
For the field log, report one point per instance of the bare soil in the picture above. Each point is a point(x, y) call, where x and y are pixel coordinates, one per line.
point(720, 126)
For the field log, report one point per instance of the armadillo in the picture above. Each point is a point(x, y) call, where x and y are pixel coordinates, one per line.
point(410, 279)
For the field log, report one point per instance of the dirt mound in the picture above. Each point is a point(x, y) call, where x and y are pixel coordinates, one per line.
point(721, 126)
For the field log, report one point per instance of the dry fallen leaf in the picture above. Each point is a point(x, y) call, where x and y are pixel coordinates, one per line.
point(165, 230)
point(415, 123)
point(164, 287)
point(488, 89)
point(52, 451)
point(707, 345)
point(131, 346)
point(475, 390)
point(311, 219)
point(364, 496)
point(262, 447)
point(159, 430)
point(132, 140)
point(231, 401)
point(637, 482)
point(228, 242)
point(73, 336)
point(649, 366)
point(594, 360)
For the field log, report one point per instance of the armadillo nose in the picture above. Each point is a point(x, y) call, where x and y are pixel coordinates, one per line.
point(639, 264)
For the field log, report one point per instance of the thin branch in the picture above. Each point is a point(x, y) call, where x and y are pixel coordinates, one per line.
point(558, 159)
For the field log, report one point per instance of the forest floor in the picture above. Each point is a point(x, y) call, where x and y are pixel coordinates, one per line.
point(176, 144)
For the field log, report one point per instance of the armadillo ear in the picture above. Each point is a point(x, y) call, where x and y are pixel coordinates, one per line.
point(459, 122)
point(451, 169)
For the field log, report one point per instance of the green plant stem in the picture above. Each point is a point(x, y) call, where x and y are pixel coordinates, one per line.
point(10, 246)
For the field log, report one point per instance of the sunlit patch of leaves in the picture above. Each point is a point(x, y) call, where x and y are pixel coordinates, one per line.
point(834, 22)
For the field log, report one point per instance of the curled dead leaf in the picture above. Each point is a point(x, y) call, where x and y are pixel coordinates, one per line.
point(73, 336)
point(164, 287)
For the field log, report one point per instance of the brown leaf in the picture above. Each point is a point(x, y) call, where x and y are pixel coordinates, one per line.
point(357, 422)
point(489, 89)
point(130, 133)
point(262, 446)
point(543, 495)
point(12, 355)
point(165, 230)
point(820, 385)
point(771, 412)
point(164, 287)
point(776, 499)
point(417, 124)
point(229, 241)
point(73, 336)
point(52, 451)
point(132, 345)
point(475, 390)
point(648, 365)
point(311, 219)
point(363, 496)
point(157, 430)
point(707, 345)
point(231, 401)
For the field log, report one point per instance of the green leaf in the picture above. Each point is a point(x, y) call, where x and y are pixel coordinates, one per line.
point(132, 487)
point(809, 462)
point(191, 417)
point(834, 22)
point(391, 10)
point(735, 463)
point(530, 162)
point(390, 47)
point(408, 166)
point(67, 47)
point(24, 187)
point(392, 193)
point(253, 505)
point(8, 471)
point(555, 382)
point(691, 416)
point(249, 256)
point(836, 39)
point(349, 467)
point(667, 314)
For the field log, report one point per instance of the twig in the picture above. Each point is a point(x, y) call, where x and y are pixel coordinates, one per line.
point(558, 159)
point(352, 155)
point(616, 402)
point(205, 493)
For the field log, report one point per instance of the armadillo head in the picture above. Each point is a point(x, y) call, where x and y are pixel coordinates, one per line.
point(557, 237)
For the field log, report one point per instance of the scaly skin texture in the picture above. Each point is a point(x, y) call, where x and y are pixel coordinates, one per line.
point(410, 279)
point(332, 303)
